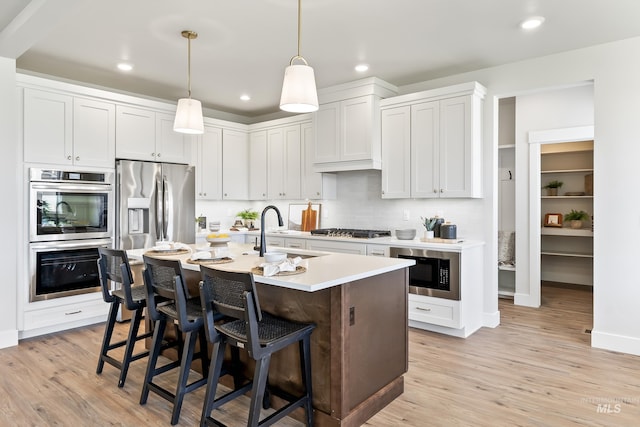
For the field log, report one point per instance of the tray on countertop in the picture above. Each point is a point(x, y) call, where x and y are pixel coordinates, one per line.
point(157, 252)
point(260, 271)
point(223, 260)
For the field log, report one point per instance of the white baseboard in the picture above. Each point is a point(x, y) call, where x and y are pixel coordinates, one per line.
point(8, 338)
point(613, 342)
point(60, 327)
point(491, 320)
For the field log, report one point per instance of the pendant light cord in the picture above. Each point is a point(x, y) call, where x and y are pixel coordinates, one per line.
point(299, 25)
point(189, 66)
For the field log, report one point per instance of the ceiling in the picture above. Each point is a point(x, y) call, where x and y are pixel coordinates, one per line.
point(244, 45)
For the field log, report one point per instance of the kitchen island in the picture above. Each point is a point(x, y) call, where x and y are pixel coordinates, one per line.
point(359, 349)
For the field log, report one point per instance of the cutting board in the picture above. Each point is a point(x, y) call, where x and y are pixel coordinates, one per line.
point(309, 217)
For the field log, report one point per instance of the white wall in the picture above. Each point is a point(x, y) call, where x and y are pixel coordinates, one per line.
point(9, 174)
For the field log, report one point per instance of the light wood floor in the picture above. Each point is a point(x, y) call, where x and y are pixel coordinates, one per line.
point(535, 369)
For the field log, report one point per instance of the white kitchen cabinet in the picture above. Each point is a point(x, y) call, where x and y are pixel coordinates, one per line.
point(347, 126)
point(66, 313)
point(347, 134)
point(207, 158)
point(143, 134)
point(258, 165)
point(235, 165)
point(335, 246)
point(60, 129)
point(431, 143)
point(378, 250)
point(283, 163)
point(315, 185)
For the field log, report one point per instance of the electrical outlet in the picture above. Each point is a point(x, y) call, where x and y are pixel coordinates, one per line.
point(405, 215)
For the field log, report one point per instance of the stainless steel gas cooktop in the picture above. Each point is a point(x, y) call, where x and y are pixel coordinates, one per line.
point(350, 232)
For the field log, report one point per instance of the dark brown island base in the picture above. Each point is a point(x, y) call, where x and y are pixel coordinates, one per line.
point(359, 349)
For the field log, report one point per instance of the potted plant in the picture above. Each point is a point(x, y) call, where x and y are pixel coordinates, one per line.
point(575, 218)
point(249, 217)
point(552, 187)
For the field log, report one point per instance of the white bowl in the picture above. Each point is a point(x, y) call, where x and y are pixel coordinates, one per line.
point(271, 257)
point(406, 234)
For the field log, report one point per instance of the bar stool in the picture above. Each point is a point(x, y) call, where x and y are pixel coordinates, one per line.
point(168, 301)
point(234, 295)
point(113, 265)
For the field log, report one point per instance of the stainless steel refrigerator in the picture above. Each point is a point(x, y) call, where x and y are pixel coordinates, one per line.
point(154, 202)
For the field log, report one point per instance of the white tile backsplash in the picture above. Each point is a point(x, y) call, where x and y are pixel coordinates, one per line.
point(359, 205)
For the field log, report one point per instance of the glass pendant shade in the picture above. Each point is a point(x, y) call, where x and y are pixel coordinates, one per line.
point(189, 117)
point(299, 90)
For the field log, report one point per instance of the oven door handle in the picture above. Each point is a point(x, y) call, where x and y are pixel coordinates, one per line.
point(72, 244)
point(71, 187)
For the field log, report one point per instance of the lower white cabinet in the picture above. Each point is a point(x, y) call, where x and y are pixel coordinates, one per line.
point(378, 250)
point(64, 313)
point(436, 311)
point(341, 247)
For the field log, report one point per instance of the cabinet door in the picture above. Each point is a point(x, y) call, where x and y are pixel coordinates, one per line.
point(425, 167)
point(357, 129)
point(292, 183)
point(341, 247)
point(327, 141)
point(94, 127)
point(209, 165)
point(258, 165)
point(455, 147)
point(311, 181)
point(275, 164)
point(135, 133)
point(171, 146)
point(396, 156)
point(235, 165)
point(48, 127)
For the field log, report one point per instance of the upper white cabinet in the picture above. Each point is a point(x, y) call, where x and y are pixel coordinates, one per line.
point(143, 134)
point(61, 129)
point(348, 126)
point(221, 159)
point(258, 165)
point(431, 143)
point(315, 185)
point(283, 163)
point(235, 165)
point(206, 156)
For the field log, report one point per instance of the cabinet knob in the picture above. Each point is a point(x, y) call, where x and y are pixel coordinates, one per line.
point(317, 193)
point(153, 154)
point(68, 157)
point(199, 194)
point(441, 190)
point(204, 194)
point(225, 194)
point(435, 191)
point(158, 155)
point(77, 157)
point(382, 192)
point(264, 195)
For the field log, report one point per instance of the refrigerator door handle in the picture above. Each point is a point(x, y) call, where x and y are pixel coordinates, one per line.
point(158, 203)
point(165, 207)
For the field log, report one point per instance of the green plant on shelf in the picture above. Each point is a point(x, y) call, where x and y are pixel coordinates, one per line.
point(553, 184)
point(575, 215)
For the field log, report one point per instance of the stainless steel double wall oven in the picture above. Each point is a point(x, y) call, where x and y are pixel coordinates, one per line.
point(70, 217)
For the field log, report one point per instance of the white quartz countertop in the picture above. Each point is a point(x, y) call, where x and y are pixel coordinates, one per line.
point(454, 245)
point(324, 269)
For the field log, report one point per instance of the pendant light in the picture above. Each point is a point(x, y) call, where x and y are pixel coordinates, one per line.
point(299, 87)
point(189, 111)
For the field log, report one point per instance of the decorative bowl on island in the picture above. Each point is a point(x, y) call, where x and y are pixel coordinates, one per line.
point(272, 257)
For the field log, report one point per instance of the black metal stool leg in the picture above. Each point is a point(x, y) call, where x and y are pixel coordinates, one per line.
point(156, 344)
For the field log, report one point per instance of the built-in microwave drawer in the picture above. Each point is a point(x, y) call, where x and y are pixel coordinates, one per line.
point(436, 311)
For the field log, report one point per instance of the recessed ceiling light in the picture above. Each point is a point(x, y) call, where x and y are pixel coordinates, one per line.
point(361, 68)
point(531, 23)
point(245, 97)
point(125, 67)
